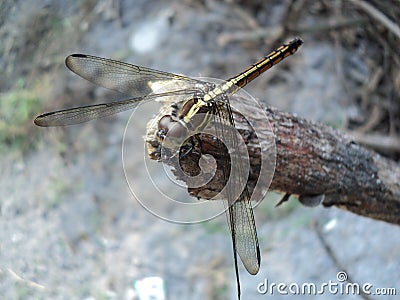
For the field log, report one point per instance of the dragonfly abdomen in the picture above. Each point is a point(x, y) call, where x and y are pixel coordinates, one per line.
point(264, 64)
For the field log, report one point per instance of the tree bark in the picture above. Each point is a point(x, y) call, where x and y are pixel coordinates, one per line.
point(312, 159)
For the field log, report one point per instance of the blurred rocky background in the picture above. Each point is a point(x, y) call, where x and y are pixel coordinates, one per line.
point(70, 227)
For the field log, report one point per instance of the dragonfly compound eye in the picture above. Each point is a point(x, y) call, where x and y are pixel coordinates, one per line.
point(173, 130)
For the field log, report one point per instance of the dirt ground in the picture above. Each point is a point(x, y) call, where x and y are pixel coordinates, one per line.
point(70, 227)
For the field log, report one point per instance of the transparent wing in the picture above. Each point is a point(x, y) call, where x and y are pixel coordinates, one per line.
point(122, 77)
point(86, 113)
point(240, 212)
point(243, 229)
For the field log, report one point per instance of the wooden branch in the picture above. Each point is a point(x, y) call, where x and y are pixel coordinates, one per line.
point(311, 160)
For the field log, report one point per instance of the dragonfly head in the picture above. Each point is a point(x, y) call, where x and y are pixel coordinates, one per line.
point(172, 131)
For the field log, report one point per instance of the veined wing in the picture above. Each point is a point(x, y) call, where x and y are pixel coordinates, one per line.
point(240, 212)
point(86, 113)
point(122, 77)
point(243, 229)
point(241, 217)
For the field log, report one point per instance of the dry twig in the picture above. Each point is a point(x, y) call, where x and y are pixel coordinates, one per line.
point(312, 159)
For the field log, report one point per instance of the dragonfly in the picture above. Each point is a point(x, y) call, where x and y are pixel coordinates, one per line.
point(203, 102)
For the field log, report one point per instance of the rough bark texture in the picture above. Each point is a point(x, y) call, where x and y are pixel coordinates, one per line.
point(311, 159)
point(316, 159)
